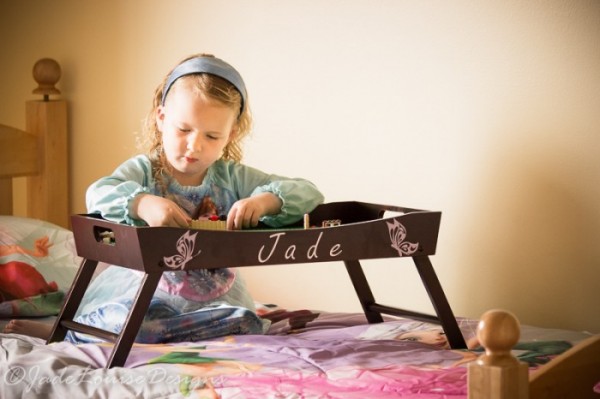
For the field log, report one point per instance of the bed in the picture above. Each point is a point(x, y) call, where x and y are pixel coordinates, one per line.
point(304, 353)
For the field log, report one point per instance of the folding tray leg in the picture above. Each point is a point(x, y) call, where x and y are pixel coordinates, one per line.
point(134, 320)
point(73, 299)
point(361, 286)
point(439, 302)
point(131, 326)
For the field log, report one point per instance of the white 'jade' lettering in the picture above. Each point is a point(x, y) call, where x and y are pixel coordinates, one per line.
point(276, 235)
point(290, 252)
point(335, 250)
point(312, 251)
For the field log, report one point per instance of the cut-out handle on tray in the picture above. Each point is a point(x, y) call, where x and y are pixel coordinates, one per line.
point(104, 235)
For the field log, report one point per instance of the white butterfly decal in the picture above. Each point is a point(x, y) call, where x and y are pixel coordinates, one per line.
point(185, 247)
point(397, 235)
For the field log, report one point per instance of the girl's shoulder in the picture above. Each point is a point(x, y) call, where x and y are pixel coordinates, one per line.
point(138, 165)
point(225, 166)
point(228, 172)
point(141, 160)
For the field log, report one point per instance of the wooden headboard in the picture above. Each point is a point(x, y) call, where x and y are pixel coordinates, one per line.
point(40, 153)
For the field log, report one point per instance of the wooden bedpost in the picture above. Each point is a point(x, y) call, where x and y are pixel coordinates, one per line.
point(498, 374)
point(48, 191)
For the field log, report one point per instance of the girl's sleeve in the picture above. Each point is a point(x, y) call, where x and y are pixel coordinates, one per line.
point(111, 195)
point(299, 196)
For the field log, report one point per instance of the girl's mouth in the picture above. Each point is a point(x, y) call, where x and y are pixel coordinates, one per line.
point(191, 160)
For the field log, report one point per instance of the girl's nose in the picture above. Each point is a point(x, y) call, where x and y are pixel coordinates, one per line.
point(193, 143)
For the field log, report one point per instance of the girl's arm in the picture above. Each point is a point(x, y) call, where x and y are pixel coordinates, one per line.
point(124, 197)
point(158, 211)
point(247, 212)
point(295, 196)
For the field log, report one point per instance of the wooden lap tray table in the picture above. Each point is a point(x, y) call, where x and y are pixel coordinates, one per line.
point(367, 231)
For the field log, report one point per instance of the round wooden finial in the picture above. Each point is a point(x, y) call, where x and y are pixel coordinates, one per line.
point(498, 332)
point(46, 73)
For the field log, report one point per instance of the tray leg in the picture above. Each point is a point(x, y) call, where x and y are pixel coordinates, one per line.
point(361, 286)
point(439, 302)
point(134, 320)
point(73, 299)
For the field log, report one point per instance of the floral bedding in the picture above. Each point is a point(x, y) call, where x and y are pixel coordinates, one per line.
point(305, 354)
point(38, 263)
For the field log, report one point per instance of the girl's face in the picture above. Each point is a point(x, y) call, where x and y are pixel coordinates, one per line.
point(435, 338)
point(195, 130)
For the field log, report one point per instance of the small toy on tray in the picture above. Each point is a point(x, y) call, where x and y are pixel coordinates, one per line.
point(209, 223)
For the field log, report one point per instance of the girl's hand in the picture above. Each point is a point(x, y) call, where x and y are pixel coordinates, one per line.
point(158, 211)
point(246, 212)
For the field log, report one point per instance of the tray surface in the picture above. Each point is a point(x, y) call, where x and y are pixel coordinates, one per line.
point(365, 232)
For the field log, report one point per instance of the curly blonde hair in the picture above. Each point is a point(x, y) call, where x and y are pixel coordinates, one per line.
point(212, 87)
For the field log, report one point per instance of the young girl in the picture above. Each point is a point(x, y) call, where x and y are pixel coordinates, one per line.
point(200, 114)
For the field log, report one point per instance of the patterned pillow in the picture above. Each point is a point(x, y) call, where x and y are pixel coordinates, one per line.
point(38, 263)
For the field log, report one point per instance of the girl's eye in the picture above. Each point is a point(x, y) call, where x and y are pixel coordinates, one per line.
point(184, 130)
point(212, 137)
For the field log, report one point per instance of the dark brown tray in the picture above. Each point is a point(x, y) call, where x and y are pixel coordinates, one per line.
point(367, 231)
point(364, 234)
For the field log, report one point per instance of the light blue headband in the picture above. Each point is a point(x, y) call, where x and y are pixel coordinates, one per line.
point(210, 65)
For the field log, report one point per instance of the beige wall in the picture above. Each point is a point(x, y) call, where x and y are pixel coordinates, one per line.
point(488, 111)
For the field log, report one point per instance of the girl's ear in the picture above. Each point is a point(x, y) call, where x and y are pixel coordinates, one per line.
point(160, 117)
point(233, 133)
point(232, 137)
